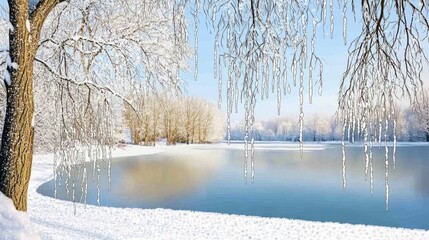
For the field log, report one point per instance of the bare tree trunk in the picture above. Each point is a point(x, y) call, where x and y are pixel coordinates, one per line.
point(16, 153)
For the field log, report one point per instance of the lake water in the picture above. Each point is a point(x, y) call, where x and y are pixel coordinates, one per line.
point(210, 179)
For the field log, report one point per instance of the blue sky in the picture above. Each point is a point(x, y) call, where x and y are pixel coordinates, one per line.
point(333, 53)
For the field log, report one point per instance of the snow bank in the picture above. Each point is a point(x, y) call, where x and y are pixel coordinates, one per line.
point(54, 219)
point(135, 150)
point(14, 224)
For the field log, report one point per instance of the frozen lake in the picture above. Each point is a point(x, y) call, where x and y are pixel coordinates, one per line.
point(210, 179)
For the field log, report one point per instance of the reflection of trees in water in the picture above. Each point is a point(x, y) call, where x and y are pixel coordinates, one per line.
point(411, 170)
point(163, 179)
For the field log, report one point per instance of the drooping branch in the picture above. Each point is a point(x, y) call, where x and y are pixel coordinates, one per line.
point(261, 45)
point(385, 65)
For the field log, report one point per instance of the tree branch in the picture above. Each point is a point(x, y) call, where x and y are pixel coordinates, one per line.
point(88, 84)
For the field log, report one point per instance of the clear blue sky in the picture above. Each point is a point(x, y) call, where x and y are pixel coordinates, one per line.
point(332, 52)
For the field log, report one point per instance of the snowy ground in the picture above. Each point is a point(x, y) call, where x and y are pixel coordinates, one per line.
point(14, 224)
point(54, 219)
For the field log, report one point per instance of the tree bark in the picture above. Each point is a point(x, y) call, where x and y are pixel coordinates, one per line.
point(16, 152)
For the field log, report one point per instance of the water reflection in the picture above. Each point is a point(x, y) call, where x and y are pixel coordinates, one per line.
point(309, 188)
point(161, 180)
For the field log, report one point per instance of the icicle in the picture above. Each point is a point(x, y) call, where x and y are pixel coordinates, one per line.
point(252, 154)
point(98, 184)
point(253, 159)
point(310, 71)
point(252, 133)
point(331, 7)
point(274, 70)
point(109, 170)
point(73, 194)
point(343, 148)
point(236, 95)
point(380, 125)
point(263, 63)
point(310, 85)
point(246, 136)
point(215, 71)
point(345, 22)
point(324, 12)
point(267, 78)
point(301, 111)
point(359, 128)
point(196, 39)
point(394, 138)
point(54, 169)
point(371, 176)
point(93, 165)
point(245, 160)
point(220, 83)
point(321, 80)
point(277, 78)
point(353, 129)
point(67, 181)
point(304, 39)
point(285, 73)
point(387, 177)
point(85, 185)
point(387, 164)
point(294, 70)
point(215, 55)
point(278, 97)
point(349, 125)
point(366, 149)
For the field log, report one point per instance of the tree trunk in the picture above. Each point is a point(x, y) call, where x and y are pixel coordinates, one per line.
point(16, 152)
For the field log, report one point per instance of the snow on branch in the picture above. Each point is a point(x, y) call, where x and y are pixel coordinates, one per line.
point(92, 85)
point(256, 44)
point(92, 52)
point(385, 65)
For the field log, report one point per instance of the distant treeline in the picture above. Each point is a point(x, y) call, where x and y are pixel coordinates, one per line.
point(175, 119)
point(409, 127)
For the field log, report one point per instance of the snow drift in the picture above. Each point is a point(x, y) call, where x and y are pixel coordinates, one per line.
point(14, 225)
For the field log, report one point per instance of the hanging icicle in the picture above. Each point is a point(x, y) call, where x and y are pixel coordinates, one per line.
point(254, 50)
point(196, 39)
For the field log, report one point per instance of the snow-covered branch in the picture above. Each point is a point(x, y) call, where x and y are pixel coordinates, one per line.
point(89, 84)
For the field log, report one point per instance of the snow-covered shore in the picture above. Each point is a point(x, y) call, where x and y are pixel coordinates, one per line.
point(54, 219)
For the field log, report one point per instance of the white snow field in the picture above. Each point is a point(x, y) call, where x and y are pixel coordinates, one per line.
point(54, 219)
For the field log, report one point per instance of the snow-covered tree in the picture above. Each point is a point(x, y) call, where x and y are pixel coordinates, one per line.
point(256, 43)
point(86, 55)
point(319, 128)
point(173, 117)
point(423, 114)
